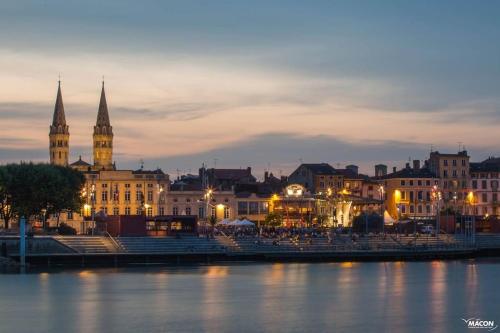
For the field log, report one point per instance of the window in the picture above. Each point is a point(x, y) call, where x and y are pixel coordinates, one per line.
point(127, 195)
point(427, 183)
point(419, 209)
point(138, 185)
point(411, 182)
point(484, 197)
point(427, 196)
point(150, 185)
point(454, 173)
point(175, 211)
point(69, 215)
point(420, 195)
point(495, 197)
point(201, 212)
point(445, 173)
point(412, 209)
point(116, 211)
point(474, 184)
point(403, 183)
point(445, 162)
point(104, 196)
point(321, 185)
point(484, 185)
point(454, 163)
point(253, 208)
point(428, 209)
point(463, 162)
point(212, 212)
point(138, 195)
point(412, 196)
point(494, 185)
point(188, 210)
point(150, 196)
point(263, 207)
point(127, 185)
point(226, 212)
point(150, 211)
point(242, 208)
point(127, 210)
point(403, 209)
point(419, 182)
point(162, 211)
point(188, 199)
point(138, 211)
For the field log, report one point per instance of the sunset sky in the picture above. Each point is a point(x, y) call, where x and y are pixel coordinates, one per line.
point(253, 83)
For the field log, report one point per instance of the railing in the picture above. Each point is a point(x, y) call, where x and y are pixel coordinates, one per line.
point(115, 243)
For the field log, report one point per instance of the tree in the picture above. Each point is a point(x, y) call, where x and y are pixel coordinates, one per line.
point(6, 213)
point(32, 189)
point(273, 219)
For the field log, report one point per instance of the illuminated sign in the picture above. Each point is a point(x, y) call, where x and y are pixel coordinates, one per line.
point(295, 190)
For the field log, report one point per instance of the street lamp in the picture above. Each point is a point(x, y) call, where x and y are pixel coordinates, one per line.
point(382, 210)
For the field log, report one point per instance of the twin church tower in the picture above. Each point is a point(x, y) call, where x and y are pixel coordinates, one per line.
point(103, 137)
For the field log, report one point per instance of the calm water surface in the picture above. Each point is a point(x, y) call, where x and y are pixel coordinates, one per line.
point(337, 297)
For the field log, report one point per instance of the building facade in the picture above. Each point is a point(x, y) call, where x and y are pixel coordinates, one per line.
point(411, 193)
point(485, 181)
point(107, 191)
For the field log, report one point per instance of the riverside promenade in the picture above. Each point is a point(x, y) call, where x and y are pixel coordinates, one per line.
point(85, 251)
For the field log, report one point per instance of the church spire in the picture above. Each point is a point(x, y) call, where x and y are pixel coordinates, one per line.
point(59, 133)
point(103, 136)
point(102, 113)
point(59, 118)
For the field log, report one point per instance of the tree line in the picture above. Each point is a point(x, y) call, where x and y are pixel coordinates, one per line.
point(38, 190)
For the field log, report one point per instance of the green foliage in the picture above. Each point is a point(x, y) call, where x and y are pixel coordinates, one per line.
point(29, 189)
point(274, 219)
point(212, 220)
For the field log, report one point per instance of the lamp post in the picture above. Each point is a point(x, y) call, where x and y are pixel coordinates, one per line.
point(92, 201)
point(382, 210)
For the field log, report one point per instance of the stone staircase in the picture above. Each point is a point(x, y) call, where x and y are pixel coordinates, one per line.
point(171, 245)
point(88, 244)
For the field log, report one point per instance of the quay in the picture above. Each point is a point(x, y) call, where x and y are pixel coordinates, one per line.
point(88, 251)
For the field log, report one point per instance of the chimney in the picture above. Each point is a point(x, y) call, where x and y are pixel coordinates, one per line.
point(380, 170)
point(353, 168)
point(416, 164)
point(407, 165)
point(266, 176)
point(394, 169)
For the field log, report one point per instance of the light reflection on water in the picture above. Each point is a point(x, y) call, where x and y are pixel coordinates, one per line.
point(350, 297)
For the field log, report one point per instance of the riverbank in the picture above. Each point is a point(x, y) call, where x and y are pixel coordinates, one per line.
point(125, 259)
point(100, 251)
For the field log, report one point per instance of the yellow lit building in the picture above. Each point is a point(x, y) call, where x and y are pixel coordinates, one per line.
point(411, 193)
point(107, 191)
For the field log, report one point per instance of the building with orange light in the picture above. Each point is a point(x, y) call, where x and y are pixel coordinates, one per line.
point(410, 193)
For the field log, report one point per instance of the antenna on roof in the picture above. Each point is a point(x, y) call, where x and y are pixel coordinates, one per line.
point(141, 162)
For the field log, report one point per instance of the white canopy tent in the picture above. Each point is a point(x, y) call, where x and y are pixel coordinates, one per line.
point(224, 222)
point(388, 220)
point(242, 223)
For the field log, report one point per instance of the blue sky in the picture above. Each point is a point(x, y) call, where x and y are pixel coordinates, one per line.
point(254, 82)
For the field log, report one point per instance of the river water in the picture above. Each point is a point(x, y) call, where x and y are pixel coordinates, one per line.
point(333, 297)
